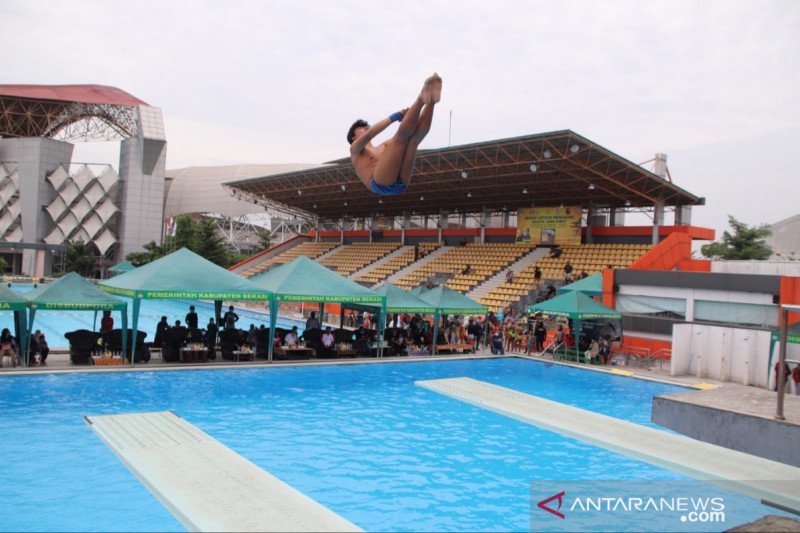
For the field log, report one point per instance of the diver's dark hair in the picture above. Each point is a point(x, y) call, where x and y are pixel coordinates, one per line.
point(351, 133)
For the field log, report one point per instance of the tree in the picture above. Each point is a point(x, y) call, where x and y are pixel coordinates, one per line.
point(264, 238)
point(746, 243)
point(201, 237)
point(152, 252)
point(80, 258)
point(207, 243)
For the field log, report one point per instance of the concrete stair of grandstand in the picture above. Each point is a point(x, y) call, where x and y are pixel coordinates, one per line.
point(416, 264)
point(326, 254)
point(498, 279)
point(379, 262)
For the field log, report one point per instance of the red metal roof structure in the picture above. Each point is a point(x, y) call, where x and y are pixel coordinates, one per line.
point(67, 111)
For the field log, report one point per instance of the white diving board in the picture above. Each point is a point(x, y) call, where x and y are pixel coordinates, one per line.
point(771, 481)
point(206, 485)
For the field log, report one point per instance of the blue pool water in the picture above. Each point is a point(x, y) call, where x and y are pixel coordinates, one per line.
point(55, 323)
point(360, 439)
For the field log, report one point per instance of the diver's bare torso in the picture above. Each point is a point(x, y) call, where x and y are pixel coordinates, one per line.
point(365, 162)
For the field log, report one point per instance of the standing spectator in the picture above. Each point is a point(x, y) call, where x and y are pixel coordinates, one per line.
point(161, 328)
point(229, 319)
point(106, 323)
point(191, 318)
point(540, 334)
point(509, 276)
point(313, 322)
point(44, 348)
point(605, 350)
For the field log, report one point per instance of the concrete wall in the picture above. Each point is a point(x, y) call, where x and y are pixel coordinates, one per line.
point(767, 268)
point(771, 439)
point(725, 354)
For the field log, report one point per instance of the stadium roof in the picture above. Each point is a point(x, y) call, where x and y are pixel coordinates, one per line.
point(47, 110)
point(545, 169)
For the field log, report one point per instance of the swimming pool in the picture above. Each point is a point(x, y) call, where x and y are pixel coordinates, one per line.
point(55, 323)
point(360, 439)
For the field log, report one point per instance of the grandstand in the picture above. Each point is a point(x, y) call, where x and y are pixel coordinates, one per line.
point(353, 257)
point(588, 258)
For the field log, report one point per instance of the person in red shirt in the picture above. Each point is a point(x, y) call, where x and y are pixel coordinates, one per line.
point(106, 323)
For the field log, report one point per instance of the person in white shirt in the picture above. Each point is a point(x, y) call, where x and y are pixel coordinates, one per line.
point(328, 342)
point(291, 338)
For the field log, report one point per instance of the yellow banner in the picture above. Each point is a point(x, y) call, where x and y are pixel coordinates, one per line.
point(549, 225)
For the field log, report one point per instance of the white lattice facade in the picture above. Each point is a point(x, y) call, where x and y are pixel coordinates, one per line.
point(84, 206)
point(48, 201)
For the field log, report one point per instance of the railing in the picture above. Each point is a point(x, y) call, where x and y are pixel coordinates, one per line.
point(664, 357)
point(634, 356)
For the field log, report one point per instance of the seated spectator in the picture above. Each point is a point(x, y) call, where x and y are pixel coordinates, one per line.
point(605, 350)
point(361, 343)
point(251, 336)
point(398, 343)
point(291, 339)
point(8, 346)
point(509, 276)
point(328, 342)
point(593, 351)
point(497, 342)
point(537, 273)
point(467, 269)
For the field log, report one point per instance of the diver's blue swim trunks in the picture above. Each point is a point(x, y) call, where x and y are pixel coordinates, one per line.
point(397, 187)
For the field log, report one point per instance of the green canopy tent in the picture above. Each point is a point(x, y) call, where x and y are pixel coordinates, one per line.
point(121, 268)
point(72, 292)
point(11, 301)
point(182, 275)
point(578, 307)
point(419, 290)
point(591, 286)
point(400, 301)
point(304, 280)
point(450, 302)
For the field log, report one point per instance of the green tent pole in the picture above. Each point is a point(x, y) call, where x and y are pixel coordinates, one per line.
point(273, 320)
point(435, 331)
point(21, 331)
point(381, 328)
point(94, 321)
point(217, 314)
point(321, 314)
point(578, 338)
point(25, 340)
point(124, 321)
point(136, 303)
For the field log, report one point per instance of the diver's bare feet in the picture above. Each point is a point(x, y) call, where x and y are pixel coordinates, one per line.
point(437, 88)
point(428, 89)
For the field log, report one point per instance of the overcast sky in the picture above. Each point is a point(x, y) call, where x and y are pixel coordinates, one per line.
point(711, 83)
